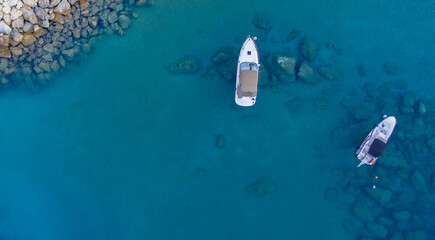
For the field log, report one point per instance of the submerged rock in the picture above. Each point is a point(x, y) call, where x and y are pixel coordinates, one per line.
point(320, 104)
point(330, 72)
point(261, 22)
point(291, 36)
point(401, 216)
point(377, 230)
point(309, 49)
point(263, 76)
point(185, 65)
point(389, 68)
point(361, 70)
point(261, 187)
point(380, 195)
point(221, 141)
point(294, 106)
point(408, 100)
point(225, 60)
point(351, 136)
point(417, 235)
point(363, 212)
point(393, 159)
point(308, 74)
point(283, 66)
point(418, 182)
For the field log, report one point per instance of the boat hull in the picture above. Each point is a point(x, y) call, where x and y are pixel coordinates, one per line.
point(383, 130)
point(248, 54)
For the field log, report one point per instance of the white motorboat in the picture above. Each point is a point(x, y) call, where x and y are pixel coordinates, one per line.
point(375, 143)
point(247, 74)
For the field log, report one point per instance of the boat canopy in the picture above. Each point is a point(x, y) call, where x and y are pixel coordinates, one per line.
point(248, 83)
point(377, 148)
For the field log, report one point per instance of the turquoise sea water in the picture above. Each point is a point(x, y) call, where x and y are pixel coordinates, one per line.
point(112, 149)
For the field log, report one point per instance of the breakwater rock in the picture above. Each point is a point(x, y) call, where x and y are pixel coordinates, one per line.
point(39, 37)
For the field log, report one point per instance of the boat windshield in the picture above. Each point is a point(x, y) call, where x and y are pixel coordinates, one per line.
point(248, 66)
point(377, 148)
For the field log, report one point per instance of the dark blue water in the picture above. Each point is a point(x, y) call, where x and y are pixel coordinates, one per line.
point(118, 148)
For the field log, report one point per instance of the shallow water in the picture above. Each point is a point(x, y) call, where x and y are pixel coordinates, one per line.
point(112, 149)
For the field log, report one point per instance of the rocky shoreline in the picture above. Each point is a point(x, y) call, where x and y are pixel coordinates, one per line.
point(39, 37)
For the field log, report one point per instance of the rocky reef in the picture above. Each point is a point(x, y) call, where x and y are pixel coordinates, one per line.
point(39, 37)
point(394, 198)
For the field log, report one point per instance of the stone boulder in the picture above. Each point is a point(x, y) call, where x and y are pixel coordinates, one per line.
point(292, 35)
point(221, 141)
point(392, 159)
point(4, 41)
point(308, 74)
point(185, 65)
point(63, 7)
point(31, 3)
point(294, 106)
point(309, 49)
point(28, 39)
point(5, 28)
point(362, 212)
point(15, 14)
point(29, 15)
point(124, 21)
point(330, 72)
point(261, 22)
point(261, 187)
point(283, 66)
point(380, 195)
point(5, 52)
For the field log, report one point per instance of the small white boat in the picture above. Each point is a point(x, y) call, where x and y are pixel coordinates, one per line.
point(247, 74)
point(375, 143)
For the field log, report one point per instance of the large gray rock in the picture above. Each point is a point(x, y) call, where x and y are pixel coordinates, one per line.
point(63, 7)
point(16, 35)
point(4, 28)
point(15, 13)
point(43, 3)
point(29, 14)
point(309, 49)
point(308, 74)
point(31, 3)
